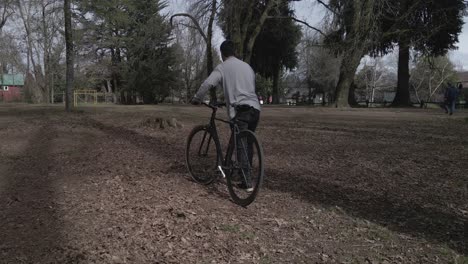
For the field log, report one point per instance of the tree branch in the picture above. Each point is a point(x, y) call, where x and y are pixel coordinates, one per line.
point(328, 7)
point(299, 21)
point(6, 13)
point(195, 22)
point(188, 26)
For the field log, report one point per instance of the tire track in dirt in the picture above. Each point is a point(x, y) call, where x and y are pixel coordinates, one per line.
point(30, 223)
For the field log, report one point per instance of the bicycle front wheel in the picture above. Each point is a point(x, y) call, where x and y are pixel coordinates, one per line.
point(202, 155)
point(246, 169)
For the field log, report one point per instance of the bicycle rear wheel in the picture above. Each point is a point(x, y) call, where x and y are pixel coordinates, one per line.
point(246, 172)
point(202, 155)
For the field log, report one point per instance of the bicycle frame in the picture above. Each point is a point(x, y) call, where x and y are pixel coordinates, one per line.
point(222, 163)
point(240, 161)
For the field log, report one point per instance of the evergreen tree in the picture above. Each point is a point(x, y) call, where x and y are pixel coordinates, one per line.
point(151, 61)
point(275, 47)
point(136, 37)
point(430, 27)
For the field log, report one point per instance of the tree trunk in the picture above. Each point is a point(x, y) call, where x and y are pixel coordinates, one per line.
point(348, 69)
point(46, 58)
point(109, 86)
point(356, 44)
point(351, 96)
point(209, 48)
point(31, 64)
point(402, 97)
point(309, 96)
point(342, 89)
point(69, 54)
point(115, 74)
point(234, 26)
point(276, 94)
point(52, 92)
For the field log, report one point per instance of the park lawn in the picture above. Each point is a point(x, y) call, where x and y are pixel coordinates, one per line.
point(106, 185)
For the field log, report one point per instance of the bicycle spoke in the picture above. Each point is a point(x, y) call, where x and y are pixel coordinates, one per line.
point(248, 169)
point(201, 144)
point(201, 155)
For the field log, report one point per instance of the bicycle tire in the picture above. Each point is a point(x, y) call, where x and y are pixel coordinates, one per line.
point(239, 195)
point(202, 157)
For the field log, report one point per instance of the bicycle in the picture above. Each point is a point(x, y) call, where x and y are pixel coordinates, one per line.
point(242, 165)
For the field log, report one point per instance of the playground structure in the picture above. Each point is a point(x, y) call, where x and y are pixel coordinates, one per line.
point(84, 96)
point(87, 96)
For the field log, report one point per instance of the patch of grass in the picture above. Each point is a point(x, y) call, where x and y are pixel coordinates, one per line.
point(383, 234)
point(446, 251)
point(236, 229)
point(466, 119)
point(247, 235)
point(265, 260)
point(461, 260)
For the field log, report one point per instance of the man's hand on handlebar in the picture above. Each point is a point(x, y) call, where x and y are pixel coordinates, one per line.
point(195, 101)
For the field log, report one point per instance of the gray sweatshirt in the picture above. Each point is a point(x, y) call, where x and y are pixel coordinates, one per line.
point(238, 81)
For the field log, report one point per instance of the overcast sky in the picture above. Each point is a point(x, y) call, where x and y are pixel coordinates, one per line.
point(313, 13)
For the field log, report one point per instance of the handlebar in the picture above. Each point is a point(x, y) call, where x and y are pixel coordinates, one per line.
point(214, 105)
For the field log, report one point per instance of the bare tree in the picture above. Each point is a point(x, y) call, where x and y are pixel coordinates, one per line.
point(50, 27)
point(193, 55)
point(374, 78)
point(69, 53)
point(26, 9)
point(42, 23)
point(429, 75)
point(204, 8)
point(6, 10)
point(318, 67)
point(10, 54)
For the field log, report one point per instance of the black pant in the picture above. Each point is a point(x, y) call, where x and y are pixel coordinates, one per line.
point(246, 118)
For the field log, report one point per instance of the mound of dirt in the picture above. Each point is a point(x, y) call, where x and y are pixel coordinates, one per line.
point(162, 123)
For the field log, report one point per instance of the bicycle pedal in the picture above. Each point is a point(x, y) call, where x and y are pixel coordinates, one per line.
point(220, 169)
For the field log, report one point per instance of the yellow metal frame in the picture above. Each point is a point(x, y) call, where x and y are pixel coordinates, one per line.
point(77, 93)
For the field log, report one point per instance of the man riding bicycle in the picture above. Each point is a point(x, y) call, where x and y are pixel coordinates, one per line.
point(238, 81)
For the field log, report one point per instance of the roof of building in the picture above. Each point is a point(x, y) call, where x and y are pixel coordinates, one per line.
point(463, 76)
point(12, 79)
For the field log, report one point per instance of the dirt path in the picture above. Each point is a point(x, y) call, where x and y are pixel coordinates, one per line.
point(101, 186)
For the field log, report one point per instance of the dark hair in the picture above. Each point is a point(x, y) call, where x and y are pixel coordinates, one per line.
point(460, 86)
point(227, 48)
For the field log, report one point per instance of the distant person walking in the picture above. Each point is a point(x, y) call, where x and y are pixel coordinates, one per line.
point(450, 98)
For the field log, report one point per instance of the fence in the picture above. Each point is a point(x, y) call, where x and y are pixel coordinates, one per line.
point(422, 104)
point(83, 97)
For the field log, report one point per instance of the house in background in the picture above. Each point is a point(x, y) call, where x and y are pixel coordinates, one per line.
point(463, 78)
point(11, 87)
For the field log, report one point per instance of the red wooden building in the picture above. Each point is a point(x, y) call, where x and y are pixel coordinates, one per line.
point(11, 86)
